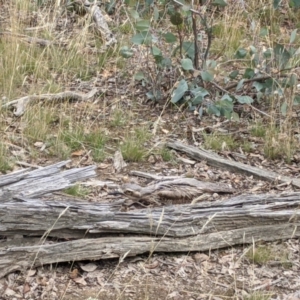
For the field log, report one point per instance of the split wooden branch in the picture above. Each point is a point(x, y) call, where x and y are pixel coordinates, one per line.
point(27, 183)
point(57, 229)
point(219, 162)
point(21, 103)
point(97, 228)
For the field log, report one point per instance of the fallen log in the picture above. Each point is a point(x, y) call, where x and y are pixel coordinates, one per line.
point(215, 160)
point(95, 228)
point(39, 230)
point(34, 183)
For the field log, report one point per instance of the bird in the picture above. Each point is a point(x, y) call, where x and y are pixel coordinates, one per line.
point(183, 189)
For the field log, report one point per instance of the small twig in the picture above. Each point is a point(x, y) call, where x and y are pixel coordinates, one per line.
point(196, 58)
point(207, 29)
point(153, 176)
point(260, 111)
point(263, 286)
point(25, 164)
point(180, 41)
point(233, 85)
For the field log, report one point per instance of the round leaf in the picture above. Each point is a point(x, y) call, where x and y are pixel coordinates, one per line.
point(126, 52)
point(187, 64)
point(142, 38)
point(179, 91)
point(206, 76)
point(244, 99)
point(170, 37)
point(142, 25)
point(241, 53)
point(220, 3)
point(213, 110)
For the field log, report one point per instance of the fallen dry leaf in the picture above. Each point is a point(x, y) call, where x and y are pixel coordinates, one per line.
point(26, 288)
point(74, 273)
point(78, 153)
point(80, 280)
point(90, 267)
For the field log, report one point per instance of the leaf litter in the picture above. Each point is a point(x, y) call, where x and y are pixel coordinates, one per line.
point(219, 274)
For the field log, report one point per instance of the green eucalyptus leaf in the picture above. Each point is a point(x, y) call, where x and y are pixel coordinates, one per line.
point(226, 104)
point(258, 86)
point(276, 3)
point(226, 113)
point(282, 55)
point(294, 3)
point(179, 91)
point(293, 36)
point(297, 52)
point(253, 50)
point(264, 31)
point(240, 85)
point(234, 74)
point(293, 79)
point(220, 3)
point(213, 110)
point(199, 91)
point(134, 14)
point(139, 76)
point(142, 38)
point(110, 7)
point(211, 64)
point(126, 52)
point(156, 14)
point(283, 108)
point(241, 53)
point(166, 62)
point(199, 94)
point(268, 53)
point(206, 76)
point(150, 96)
point(225, 108)
point(170, 37)
point(249, 73)
point(227, 98)
point(189, 49)
point(244, 99)
point(142, 25)
point(197, 100)
point(200, 112)
point(156, 51)
point(187, 64)
point(296, 100)
point(235, 116)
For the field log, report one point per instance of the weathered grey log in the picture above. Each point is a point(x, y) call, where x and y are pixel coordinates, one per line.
point(34, 183)
point(75, 219)
point(199, 227)
point(97, 226)
point(220, 162)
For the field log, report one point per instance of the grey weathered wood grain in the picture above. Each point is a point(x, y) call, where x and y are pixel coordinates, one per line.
point(36, 253)
point(219, 162)
point(33, 183)
point(75, 219)
point(95, 228)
